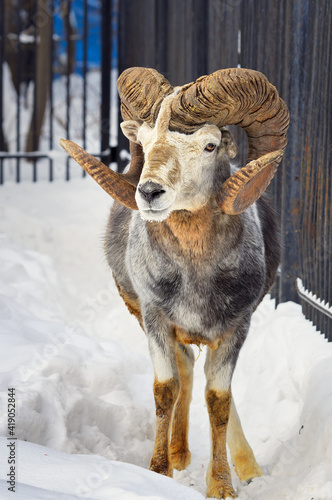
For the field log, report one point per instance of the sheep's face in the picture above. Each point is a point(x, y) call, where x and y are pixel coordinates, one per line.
point(179, 169)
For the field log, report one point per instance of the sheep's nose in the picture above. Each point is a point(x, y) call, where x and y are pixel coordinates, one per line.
point(150, 190)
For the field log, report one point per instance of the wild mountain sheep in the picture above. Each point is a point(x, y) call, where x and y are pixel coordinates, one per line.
point(202, 250)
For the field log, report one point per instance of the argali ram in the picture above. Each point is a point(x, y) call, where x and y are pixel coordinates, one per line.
point(195, 260)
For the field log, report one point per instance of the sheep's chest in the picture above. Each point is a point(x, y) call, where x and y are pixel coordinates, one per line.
point(200, 301)
point(199, 295)
point(183, 296)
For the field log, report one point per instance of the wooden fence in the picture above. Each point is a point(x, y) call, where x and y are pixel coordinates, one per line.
point(290, 42)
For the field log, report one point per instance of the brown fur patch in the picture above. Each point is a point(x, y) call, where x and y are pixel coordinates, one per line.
point(219, 484)
point(192, 230)
point(219, 404)
point(242, 455)
point(246, 466)
point(132, 304)
point(162, 155)
point(188, 232)
point(180, 454)
point(187, 338)
point(165, 394)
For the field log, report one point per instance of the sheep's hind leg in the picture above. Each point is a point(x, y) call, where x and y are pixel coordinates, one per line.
point(242, 455)
point(180, 454)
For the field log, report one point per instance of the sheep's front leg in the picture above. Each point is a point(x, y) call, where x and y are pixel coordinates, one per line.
point(162, 346)
point(218, 398)
point(165, 395)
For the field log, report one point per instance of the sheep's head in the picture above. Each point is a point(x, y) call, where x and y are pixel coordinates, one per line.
point(177, 134)
point(179, 170)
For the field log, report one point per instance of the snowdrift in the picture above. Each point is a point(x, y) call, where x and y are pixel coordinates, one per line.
point(83, 379)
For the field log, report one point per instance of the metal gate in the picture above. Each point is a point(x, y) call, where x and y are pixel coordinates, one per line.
point(56, 63)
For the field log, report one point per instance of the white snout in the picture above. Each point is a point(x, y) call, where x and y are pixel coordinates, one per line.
point(154, 200)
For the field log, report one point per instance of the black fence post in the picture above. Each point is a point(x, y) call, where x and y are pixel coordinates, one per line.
point(106, 55)
point(85, 70)
point(51, 53)
point(126, 15)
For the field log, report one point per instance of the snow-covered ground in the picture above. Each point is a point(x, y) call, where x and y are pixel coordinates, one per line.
point(83, 379)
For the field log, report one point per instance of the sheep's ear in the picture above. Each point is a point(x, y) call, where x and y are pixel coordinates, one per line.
point(130, 129)
point(228, 143)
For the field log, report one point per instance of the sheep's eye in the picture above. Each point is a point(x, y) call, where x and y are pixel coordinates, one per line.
point(210, 147)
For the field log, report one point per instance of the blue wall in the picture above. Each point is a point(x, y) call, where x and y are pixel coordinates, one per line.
point(93, 32)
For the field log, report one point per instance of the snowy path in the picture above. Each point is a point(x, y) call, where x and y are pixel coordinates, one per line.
point(83, 378)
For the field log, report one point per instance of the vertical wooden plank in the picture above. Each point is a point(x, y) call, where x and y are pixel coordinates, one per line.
point(315, 228)
point(3, 145)
point(326, 159)
point(162, 31)
point(149, 37)
point(261, 50)
point(199, 47)
point(137, 47)
point(328, 166)
point(180, 38)
point(222, 37)
point(223, 25)
point(294, 59)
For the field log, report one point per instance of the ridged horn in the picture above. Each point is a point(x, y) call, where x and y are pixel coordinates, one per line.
point(146, 88)
point(141, 92)
point(116, 185)
point(245, 98)
point(247, 184)
point(233, 96)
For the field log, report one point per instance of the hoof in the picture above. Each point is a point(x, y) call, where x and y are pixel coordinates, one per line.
point(161, 467)
point(220, 489)
point(219, 483)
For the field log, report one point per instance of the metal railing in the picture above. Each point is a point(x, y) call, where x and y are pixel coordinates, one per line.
point(56, 64)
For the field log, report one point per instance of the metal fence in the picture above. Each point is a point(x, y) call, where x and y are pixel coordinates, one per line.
point(56, 64)
point(288, 40)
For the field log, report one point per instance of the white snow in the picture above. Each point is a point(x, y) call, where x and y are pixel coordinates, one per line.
point(83, 378)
